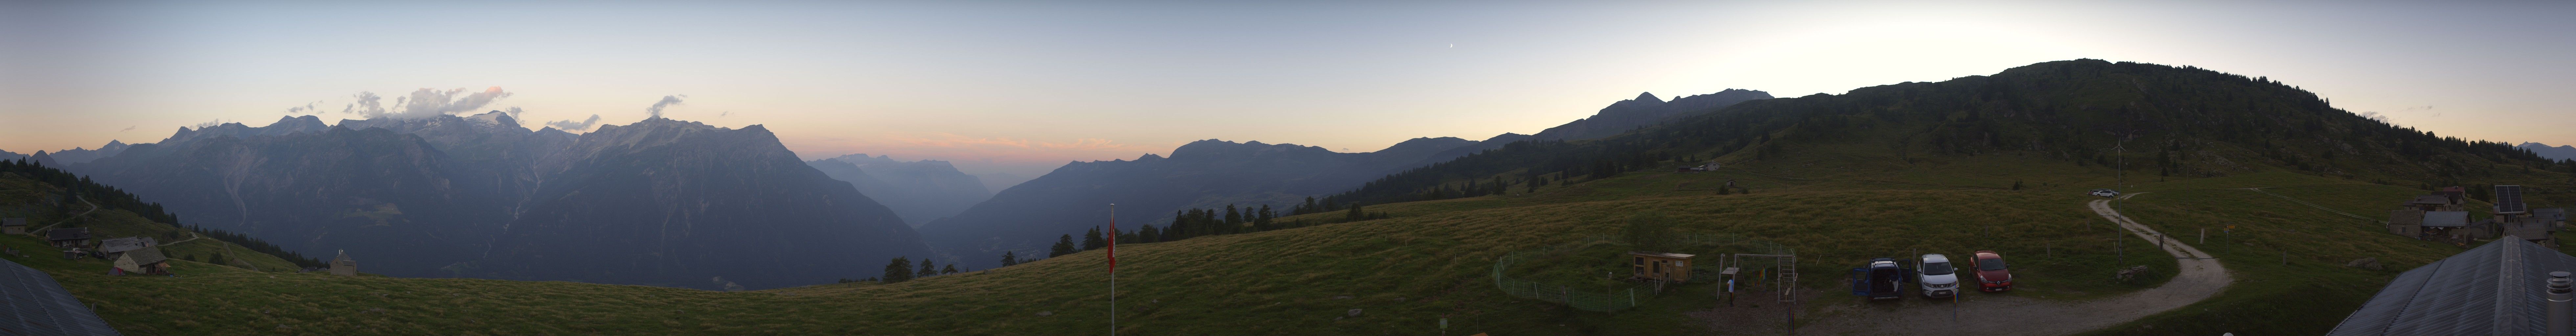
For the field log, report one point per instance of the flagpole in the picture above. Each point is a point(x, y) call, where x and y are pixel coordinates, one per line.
point(1113, 269)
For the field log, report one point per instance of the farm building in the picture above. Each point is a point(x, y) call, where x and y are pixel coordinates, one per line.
point(342, 265)
point(68, 237)
point(2557, 216)
point(31, 303)
point(1673, 267)
point(2447, 225)
point(15, 226)
point(2407, 223)
point(148, 260)
point(2499, 288)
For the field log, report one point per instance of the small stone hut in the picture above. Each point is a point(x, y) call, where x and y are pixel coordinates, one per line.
point(147, 260)
point(342, 265)
point(15, 226)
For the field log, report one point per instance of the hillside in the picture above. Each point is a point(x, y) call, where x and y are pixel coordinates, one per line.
point(1202, 174)
point(2160, 120)
point(49, 198)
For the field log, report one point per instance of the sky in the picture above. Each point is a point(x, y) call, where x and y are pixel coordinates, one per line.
point(1023, 87)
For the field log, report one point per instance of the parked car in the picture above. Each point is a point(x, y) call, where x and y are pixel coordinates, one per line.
point(1939, 279)
point(2105, 192)
point(1992, 275)
point(1883, 279)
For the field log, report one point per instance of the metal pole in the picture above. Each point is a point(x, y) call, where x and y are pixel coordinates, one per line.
point(1113, 275)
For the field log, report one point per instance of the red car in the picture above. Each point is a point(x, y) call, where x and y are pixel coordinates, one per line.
point(1991, 275)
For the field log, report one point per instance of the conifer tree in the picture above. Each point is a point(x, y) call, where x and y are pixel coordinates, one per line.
point(950, 269)
point(1010, 258)
point(926, 270)
point(1063, 246)
point(898, 270)
point(1092, 240)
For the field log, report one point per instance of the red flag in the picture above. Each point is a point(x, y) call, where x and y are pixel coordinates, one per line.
point(1113, 238)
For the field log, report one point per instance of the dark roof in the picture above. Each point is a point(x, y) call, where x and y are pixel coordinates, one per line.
point(147, 256)
point(2495, 289)
point(67, 234)
point(124, 244)
point(2446, 218)
point(2406, 217)
point(31, 303)
point(2430, 199)
point(13, 222)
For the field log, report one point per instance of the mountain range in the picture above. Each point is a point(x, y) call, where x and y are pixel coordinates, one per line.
point(2553, 153)
point(659, 202)
point(919, 191)
point(1212, 173)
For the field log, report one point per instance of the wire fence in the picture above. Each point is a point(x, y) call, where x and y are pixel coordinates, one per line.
point(1608, 299)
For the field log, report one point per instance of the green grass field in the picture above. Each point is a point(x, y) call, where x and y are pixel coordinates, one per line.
point(1431, 261)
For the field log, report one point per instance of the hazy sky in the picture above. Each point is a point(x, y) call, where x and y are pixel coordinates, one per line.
point(1024, 87)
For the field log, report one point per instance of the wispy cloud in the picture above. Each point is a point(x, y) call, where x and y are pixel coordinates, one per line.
point(575, 126)
point(667, 101)
point(127, 128)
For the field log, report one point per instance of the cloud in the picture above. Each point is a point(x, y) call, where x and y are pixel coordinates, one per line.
point(426, 102)
point(575, 126)
point(722, 114)
point(513, 112)
point(307, 108)
point(374, 105)
point(656, 110)
point(127, 128)
point(204, 125)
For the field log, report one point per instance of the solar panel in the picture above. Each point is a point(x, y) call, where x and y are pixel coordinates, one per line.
point(2509, 200)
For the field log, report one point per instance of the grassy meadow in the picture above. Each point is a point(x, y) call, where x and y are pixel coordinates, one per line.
point(1432, 260)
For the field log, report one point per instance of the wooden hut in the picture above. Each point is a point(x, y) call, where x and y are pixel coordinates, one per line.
point(1673, 267)
point(15, 226)
point(342, 265)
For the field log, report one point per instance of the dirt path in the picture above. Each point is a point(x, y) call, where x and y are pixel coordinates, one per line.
point(40, 232)
point(1988, 315)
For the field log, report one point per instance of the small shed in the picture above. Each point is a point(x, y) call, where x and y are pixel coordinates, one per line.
point(147, 260)
point(342, 265)
point(2406, 223)
point(68, 237)
point(1674, 267)
point(15, 226)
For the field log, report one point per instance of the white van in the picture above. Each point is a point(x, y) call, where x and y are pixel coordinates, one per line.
point(1938, 277)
